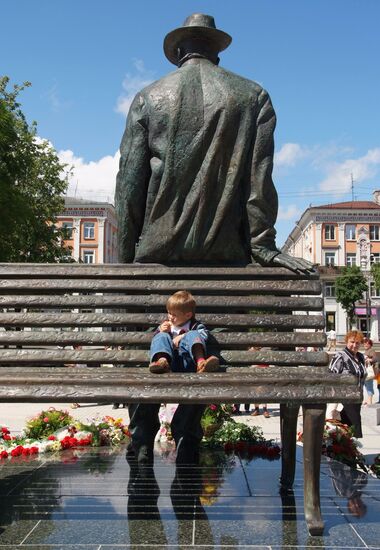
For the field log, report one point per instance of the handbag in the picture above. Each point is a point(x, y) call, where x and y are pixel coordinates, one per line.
point(370, 373)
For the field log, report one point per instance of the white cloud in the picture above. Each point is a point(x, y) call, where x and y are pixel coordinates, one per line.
point(94, 180)
point(338, 180)
point(290, 212)
point(133, 84)
point(290, 154)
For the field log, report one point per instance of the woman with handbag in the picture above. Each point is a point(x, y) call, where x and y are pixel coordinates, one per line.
point(350, 360)
point(371, 368)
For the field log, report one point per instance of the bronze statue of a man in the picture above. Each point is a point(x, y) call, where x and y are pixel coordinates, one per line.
point(195, 184)
point(195, 180)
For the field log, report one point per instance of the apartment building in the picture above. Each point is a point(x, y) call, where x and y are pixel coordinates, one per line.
point(336, 235)
point(92, 230)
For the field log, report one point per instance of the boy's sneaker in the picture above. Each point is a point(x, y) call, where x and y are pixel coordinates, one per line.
point(211, 364)
point(161, 366)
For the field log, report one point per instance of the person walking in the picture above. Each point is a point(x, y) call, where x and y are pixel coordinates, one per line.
point(331, 340)
point(351, 361)
point(371, 365)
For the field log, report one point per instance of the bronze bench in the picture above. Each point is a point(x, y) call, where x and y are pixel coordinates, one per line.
point(46, 307)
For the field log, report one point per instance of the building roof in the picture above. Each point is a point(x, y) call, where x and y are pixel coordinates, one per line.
point(350, 205)
point(73, 201)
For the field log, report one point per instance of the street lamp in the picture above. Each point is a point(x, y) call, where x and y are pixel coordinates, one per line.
point(363, 265)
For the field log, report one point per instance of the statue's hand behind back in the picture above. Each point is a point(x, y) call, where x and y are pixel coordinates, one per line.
point(299, 265)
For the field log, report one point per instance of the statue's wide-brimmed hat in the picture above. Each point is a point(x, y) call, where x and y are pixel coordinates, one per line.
point(197, 25)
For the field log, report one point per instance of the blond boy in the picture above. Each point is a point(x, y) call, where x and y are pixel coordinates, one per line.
point(179, 344)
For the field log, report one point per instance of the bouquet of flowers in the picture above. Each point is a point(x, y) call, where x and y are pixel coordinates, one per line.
point(247, 441)
point(214, 416)
point(107, 431)
point(55, 430)
point(46, 423)
point(339, 444)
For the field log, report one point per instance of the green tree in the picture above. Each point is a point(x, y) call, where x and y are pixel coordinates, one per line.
point(350, 287)
point(375, 272)
point(32, 186)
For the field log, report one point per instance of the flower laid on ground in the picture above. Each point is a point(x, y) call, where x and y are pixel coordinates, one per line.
point(107, 431)
point(56, 430)
point(221, 430)
point(214, 416)
point(47, 422)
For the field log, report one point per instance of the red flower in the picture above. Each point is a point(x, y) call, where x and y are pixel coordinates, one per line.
point(84, 441)
point(25, 451)
point(337, 449)
point(46, 419)
point(68, 442)
point(7, 437)
point(34, 450)
point(17, 451)
point(5, 430)
point(213, 407)
point(3, 454)
point(52, 438)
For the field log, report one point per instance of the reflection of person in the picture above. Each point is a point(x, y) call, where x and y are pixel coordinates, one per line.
point(370, 359)
point(180, 342)
point(349, 483)
point(143, 493)
point(331, 340)
point(350, 360)
point(195, 178)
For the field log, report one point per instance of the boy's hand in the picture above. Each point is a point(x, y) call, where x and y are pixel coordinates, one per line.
point(165, 326)
point(177, 339)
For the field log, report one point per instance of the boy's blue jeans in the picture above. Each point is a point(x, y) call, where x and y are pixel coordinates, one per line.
point(181, 358)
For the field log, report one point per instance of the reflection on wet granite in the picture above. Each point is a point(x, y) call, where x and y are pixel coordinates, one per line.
point(96, 497)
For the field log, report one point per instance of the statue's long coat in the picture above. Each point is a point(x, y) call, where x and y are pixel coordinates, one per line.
point(195, 178)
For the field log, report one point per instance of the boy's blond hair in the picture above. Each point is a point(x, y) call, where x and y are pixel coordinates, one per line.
point(181, 301)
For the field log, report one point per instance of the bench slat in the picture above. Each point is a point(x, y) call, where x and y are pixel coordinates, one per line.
point(151, 271)
point(153, 319)
point(231, 339)
point(281, 287)
point(271, 385)
point(158, 302)
point(141, 356)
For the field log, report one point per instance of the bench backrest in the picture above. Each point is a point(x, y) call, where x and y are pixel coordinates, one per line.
point(59, 314)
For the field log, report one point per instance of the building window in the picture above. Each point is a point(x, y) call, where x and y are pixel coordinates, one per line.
point(375, 292)
point(350, 260)
point(329, 290)
point(89, 230)
point(374, 234)
point(68, 228)
point(89, 256)
point(330, 320)
point(330, 258)
point(375, 258)
point(350, 232)
point(330, 232)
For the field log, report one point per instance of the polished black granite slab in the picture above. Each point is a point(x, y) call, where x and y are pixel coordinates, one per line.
point(95, 499)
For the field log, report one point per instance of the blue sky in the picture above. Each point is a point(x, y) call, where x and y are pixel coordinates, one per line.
point(318, 59)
